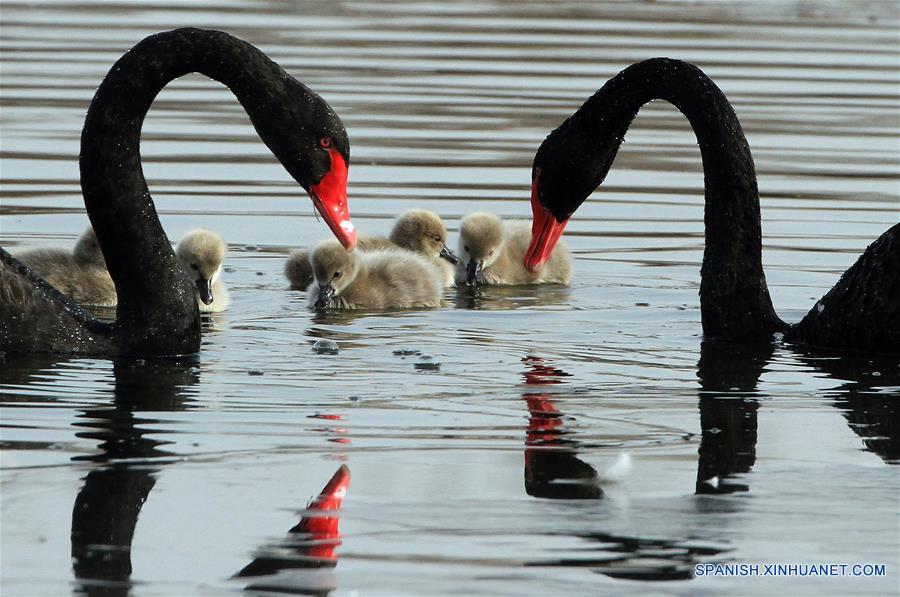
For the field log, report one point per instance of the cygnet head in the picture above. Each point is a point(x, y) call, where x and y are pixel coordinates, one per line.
point(334, 268)
point(201, 253)
point(87, 250)
point(422, 231)
point(480, 241)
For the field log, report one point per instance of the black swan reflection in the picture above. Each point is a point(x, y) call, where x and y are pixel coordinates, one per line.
point(109, 502)
point(295, 565)
point(729, 374)
point(552, 467)
point(728, 402)
point(868, 396)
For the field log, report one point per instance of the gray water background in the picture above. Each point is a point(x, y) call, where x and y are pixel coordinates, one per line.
point(705, 453)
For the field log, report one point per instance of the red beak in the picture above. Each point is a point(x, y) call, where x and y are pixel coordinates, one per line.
point(545, 233)
point(330, 198)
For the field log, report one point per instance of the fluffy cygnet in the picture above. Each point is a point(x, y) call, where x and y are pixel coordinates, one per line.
point(381, 279)
point(492, 252)
point(201, 253)
point(81, 274)
point(423, 231)
point(418, 230)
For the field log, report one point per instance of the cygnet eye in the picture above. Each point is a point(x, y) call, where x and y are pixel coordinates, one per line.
point(437, 238)
point(467, 248)
point(194, 266)
point(337, 274)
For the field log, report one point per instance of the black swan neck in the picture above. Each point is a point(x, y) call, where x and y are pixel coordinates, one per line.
point(153, 292)
point(734, 297)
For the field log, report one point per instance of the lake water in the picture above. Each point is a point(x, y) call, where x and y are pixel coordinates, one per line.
point(146, 478)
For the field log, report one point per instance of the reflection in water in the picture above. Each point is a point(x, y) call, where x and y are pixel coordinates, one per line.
point(641, 558)
point(103, 522)
point(869, 397)
point(24, 370)
point(559, 474)
point(332, 324)
point(107, 506)
point(728, 419)
point(447, 103)
point(552, 467)
point(337, 435)
point(309, 545)
point(492, 298)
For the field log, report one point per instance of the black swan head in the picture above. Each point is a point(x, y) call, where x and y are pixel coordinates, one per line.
point(316, 154)
point(565, 172)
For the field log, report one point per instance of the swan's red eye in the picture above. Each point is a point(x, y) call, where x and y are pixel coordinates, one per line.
point(325, 142)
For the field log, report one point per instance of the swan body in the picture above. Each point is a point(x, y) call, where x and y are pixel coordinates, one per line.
point(418, 230)
point(492, 252)
point(862, 312)
point(80, 274)
point(26, 300)
point(157, 312)
point(380, 279)
point(201, 253)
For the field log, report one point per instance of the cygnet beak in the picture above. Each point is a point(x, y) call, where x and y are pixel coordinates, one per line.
point(326, 291)
point(473, 272)
point(204, 289)
point(449, 255)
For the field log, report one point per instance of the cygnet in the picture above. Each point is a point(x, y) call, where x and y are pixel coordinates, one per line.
point(381, 279)
point(492, 252)
point(81, 274)
point(201, 253)
point(418, 230)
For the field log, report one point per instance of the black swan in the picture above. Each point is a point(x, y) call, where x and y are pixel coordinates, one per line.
point(157, 311)
point(861, 312)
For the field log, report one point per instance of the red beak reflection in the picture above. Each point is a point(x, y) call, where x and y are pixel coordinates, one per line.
point(322, 518)
point(309, 545)
point(552, 468)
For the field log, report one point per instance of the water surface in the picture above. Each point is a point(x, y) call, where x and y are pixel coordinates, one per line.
point(580, 440)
